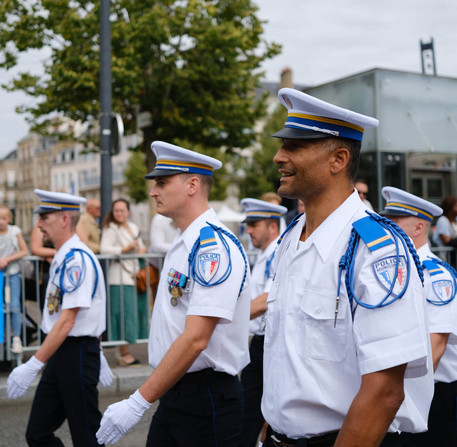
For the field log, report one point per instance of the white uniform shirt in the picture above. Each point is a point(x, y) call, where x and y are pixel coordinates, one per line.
point(261, 283)
point(312, 370)
point(441, 319)
point(227, 350)
point(91, 317)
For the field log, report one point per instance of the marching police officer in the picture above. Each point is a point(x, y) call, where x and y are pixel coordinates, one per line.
point(198, 340)
point(343, 325)
point(415, 215)
point(73, 319)
point(263, 222)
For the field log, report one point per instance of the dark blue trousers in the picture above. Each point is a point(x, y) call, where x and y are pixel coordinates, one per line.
point(204, 408)
point(252, 381)
point(68, 390)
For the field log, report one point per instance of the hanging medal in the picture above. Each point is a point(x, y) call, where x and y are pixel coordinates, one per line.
point(176, 282)
point(53, 301)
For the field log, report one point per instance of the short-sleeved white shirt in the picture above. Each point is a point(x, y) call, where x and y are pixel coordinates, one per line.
point(227, 350)
point(261, 281)
point(91, 317)
point(441, 319)
point(312, 369)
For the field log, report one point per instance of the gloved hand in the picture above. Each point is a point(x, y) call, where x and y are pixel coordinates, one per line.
point(106, 375)
point(120, 417)
point(21, 377)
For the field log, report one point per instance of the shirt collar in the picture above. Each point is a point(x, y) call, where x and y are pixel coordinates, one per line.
point(328, 232)
point(192, 232)
point(265, 254)
point(60, 254)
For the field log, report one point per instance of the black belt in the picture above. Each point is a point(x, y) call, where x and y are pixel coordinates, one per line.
point(203, 375)
point(325, 440)
point(83, 339)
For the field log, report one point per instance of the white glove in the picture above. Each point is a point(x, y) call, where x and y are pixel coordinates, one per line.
point(22, 376)
point(106, 375)
point(120, 417)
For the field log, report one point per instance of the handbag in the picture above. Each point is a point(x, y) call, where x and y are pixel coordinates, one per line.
point(141, 278)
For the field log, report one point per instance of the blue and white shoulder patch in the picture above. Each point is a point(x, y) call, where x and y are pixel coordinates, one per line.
point(432, 267)
point(372, 233)
point(207, 237)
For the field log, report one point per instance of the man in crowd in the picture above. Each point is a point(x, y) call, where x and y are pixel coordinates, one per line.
point(89, 222)
point(198, 340)
point(338, 340)
point(73, 319)
point(263, 221)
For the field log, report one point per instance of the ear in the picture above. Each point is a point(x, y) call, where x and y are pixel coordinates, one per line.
point(419, 227)
point(193, 185)
point(339, 159)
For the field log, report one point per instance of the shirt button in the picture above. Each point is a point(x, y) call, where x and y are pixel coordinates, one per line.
point(318, 310)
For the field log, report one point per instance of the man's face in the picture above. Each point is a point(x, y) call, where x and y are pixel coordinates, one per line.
point(362, 189)
point(303, 165)
point(94, 209)
point(260, 233)
point(50, 224)
point(169, 194)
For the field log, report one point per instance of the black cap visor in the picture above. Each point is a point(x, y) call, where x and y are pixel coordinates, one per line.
point(162, 173)
point(394, 213)
point(300, 134)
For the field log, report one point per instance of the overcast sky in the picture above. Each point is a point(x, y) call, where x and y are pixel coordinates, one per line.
point(322, 40)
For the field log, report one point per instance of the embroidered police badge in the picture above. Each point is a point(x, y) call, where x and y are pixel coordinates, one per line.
point(208, 264)
point(443, 289)
point(385, 273)
point(73, 275)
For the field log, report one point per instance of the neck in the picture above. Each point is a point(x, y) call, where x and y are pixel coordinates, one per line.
point(59, 242)
point(320, 206)
point(185, 218)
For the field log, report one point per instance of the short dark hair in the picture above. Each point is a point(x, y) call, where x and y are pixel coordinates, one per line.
point(354, 147)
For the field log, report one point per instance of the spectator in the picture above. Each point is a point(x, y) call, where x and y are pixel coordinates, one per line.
point(362, 188)
point(446, 227)
point(12, 248)
point(120, 236)
point(89, 222)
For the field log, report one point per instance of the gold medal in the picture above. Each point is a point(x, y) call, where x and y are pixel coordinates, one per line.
point(175, 292)
point(179, 291)
point(174, 301)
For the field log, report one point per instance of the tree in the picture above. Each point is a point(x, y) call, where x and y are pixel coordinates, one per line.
point(134, 176)
point(193, 64)
point(261, 174)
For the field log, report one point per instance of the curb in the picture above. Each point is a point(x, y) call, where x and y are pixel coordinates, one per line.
point(125, 380)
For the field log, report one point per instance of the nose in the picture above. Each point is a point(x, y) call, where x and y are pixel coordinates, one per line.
point(280, 156)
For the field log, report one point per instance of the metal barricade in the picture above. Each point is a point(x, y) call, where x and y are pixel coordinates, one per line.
point(33, 299)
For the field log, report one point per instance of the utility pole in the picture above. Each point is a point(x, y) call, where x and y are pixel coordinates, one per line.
point(105, 109)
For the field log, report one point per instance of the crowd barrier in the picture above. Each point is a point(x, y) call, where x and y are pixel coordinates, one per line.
point(32, 300)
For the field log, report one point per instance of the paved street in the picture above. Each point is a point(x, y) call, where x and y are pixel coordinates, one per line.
point(13, 421)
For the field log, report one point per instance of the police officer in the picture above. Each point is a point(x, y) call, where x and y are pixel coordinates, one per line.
point(198, 340)
point(343, 325)
point(263, 222)
point(415, 215)
point(73, 319)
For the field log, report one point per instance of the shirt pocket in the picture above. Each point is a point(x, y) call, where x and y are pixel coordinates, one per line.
point(319, 337)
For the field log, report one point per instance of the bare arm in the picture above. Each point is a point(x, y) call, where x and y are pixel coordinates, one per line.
point(439, 342)
point(17, 255)
point(180, 356)
point(259, 305)
point(37, 248)
point(373, 408)
point(58, 334)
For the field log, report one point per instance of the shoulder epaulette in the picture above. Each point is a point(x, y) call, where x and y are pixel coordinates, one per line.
point(69, 256)
point(372, 233)
point(432, 267)
point(207, 237)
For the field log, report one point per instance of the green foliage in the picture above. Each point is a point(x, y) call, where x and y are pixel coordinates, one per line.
point(261, 174)
point(193, 64)
point(134, 177)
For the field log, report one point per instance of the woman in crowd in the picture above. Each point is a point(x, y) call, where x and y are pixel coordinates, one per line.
point(12, 248)
point(120, 236)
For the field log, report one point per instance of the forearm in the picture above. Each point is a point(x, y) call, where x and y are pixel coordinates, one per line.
point(57, 335)
point(258, 306)
point(438, 342)
point(373, 409)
